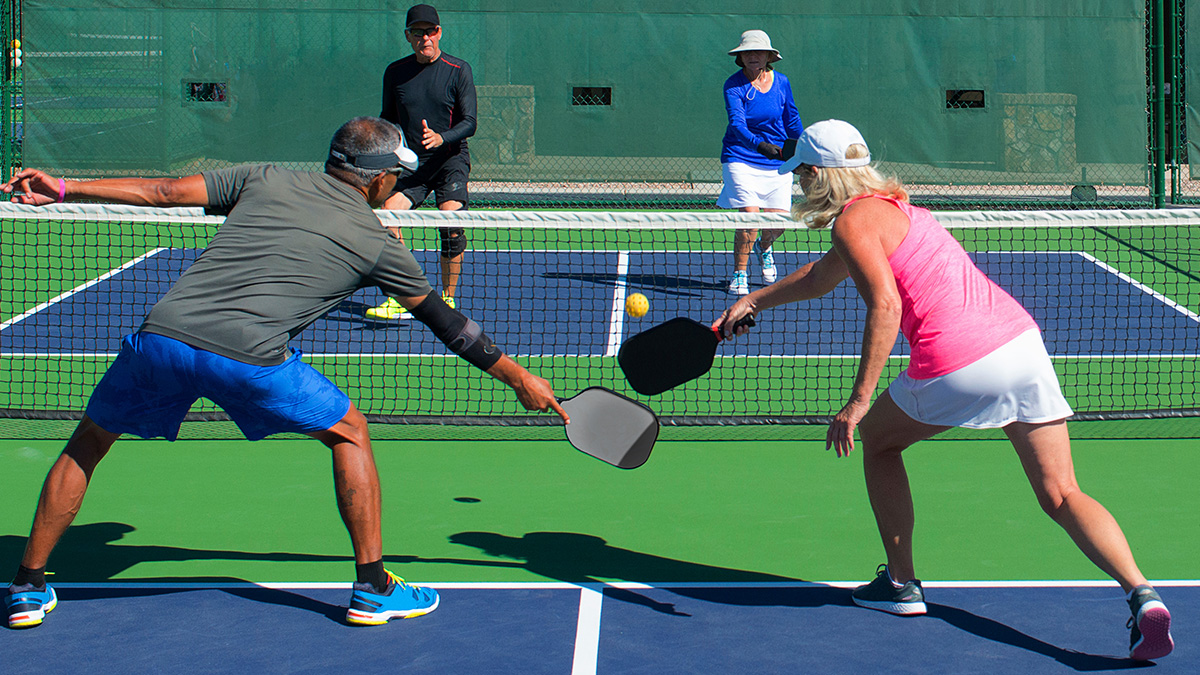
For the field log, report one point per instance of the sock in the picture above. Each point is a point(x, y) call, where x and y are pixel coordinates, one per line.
point(374, 574)
point(37, 577)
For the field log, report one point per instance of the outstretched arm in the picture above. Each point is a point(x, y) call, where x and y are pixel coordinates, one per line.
point(858, 239)
point(467, 339)
point(811, 281)
point(39, 188)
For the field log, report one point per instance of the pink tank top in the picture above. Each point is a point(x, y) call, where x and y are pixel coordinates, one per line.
point(951, 313)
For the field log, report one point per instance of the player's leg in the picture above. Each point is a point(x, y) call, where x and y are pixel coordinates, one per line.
point(64, 489)
point(743, 243)
point(356, 484)
point(1045, 452)
point(775, 195)
point(885, 432)
point(450, 184)
point(29, 598)
point(142, 393)
point(378, 594)
point(762, 248)
point(294, 397)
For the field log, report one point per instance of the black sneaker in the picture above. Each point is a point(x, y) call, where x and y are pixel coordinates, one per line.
point(882, 594)
point(1150, 625)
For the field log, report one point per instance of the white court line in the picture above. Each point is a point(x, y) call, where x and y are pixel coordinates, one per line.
point(587, 631)
point(78, 289)
point(616, 319)
point(1142, 287)
point(598, 588)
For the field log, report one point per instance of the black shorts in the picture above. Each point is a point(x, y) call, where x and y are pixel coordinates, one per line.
point(447, 179)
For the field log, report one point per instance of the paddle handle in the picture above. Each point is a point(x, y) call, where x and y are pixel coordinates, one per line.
point(747, 321)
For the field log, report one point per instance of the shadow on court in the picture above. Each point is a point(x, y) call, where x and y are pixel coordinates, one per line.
point(662, 283)
point(90, 553)
point(582, 558)
point(998, 632)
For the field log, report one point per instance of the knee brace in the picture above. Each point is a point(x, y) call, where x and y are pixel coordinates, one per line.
point(454, 241)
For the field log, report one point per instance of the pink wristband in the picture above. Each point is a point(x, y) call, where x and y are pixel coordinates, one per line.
point(62, 190)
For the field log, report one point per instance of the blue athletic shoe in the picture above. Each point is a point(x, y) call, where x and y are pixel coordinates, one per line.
point(27, 606)
point(401, 601)
point(767, 259)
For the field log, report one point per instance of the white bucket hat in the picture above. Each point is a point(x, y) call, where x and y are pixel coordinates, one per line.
point(756, 40)
point(824, 144)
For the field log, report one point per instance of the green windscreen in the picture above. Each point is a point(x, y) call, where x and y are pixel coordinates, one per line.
point(621, 101)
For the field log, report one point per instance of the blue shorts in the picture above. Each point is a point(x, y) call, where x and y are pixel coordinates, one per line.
point(155, 380)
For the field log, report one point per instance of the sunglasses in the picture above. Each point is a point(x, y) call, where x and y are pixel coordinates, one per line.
point(422, 32)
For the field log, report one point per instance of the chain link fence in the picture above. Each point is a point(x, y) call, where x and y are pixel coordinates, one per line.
point(1037, 106)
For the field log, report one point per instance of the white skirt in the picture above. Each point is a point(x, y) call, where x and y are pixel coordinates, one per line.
point(746, 185)
point(1014, 383)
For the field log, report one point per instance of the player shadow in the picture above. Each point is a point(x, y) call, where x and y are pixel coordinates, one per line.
point(581, 558)
point(659, 283)
point(586, 559)
point(995, 631)
point(90, 553)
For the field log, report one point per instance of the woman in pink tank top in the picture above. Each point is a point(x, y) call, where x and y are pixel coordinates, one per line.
point(977, 360)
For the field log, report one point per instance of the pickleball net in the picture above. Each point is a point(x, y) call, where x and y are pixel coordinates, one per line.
point(1116, 293)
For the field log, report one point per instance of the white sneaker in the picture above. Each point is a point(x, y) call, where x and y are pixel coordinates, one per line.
point(770, 274)
point(739, 284)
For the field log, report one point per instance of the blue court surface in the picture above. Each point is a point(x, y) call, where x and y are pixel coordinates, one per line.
point(569, 304)
point(626, 628)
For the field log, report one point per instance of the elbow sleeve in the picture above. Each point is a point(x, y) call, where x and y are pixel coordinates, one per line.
point(460, 334)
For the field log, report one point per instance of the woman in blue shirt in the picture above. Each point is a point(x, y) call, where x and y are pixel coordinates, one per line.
point(762, 115)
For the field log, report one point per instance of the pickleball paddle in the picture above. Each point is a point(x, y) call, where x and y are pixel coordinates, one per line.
point(669, 354)
point(611, 427)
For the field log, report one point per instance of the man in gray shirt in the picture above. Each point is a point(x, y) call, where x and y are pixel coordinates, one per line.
point(293, 246)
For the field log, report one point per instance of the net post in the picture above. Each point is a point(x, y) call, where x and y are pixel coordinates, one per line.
point(1158, 101)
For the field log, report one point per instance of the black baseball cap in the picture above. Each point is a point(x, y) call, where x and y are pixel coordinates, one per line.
point(422, 13)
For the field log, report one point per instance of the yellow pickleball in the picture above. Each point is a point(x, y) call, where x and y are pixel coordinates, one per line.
point(636, 305)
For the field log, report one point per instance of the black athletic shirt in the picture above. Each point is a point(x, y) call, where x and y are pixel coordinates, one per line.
point(442, 93)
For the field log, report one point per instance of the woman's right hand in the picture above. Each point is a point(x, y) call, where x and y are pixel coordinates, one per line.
point(724, 325)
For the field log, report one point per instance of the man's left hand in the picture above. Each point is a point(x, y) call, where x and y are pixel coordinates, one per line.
point(430, 138)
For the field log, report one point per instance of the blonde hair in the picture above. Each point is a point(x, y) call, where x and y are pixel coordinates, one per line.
point(833, 187)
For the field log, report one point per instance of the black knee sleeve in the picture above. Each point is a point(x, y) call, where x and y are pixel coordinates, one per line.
point(454, 241)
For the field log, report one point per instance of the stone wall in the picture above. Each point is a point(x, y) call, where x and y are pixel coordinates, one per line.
point(505, 132)
point(1039, 133)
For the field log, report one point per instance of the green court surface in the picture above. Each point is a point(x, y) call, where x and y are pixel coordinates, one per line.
point(508, 511)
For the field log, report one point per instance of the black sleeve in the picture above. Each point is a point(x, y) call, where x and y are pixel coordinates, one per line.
point(388, 111)
point(465, 107)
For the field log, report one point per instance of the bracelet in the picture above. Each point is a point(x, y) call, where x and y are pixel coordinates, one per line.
point(62, 190)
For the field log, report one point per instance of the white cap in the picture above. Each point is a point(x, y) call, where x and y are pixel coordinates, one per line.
point(824, 144)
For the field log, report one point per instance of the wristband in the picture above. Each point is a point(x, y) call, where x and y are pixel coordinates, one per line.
point(62, 190)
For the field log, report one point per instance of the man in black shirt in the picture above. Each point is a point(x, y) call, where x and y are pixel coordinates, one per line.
point(431, 96)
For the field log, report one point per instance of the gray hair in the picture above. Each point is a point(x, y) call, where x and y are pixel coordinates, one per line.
point(361, 136)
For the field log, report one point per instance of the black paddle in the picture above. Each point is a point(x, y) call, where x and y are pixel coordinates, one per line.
point(611, 427)
point(670, 354)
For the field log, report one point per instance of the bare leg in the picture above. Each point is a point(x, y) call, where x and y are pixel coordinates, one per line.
point(356, 483)
point(1045, 452)
point(885, 432)
point(451, 267)
point(768, 237)
point(743, 241)
point(64, 488)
